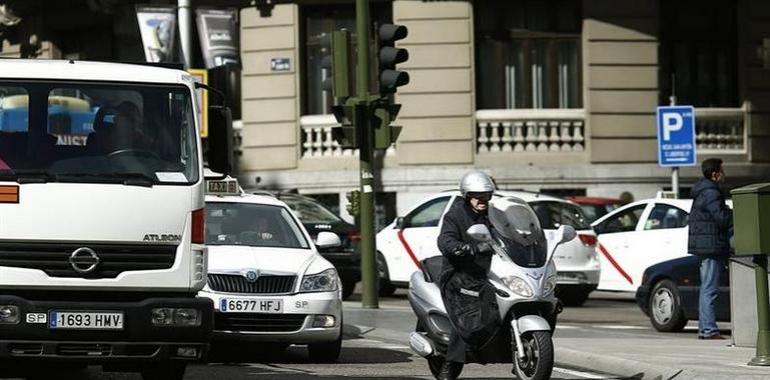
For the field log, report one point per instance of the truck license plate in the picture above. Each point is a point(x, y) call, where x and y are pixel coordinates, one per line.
point(85, 320)
point(236, 305)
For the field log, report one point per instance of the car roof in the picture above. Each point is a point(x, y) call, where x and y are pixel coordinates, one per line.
point(597, 201)
point(246, 198)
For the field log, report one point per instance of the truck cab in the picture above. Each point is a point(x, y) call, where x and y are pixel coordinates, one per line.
point(101, 216)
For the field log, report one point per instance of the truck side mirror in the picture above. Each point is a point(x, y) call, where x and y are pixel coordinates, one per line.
point(220, 154)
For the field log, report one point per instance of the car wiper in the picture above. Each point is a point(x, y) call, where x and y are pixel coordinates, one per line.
point(23, 176)
point(130, 179)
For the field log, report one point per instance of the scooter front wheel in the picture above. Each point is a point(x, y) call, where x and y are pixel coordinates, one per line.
point(537, 363)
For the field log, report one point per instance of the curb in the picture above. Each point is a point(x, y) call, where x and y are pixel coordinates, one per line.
point(618, 366)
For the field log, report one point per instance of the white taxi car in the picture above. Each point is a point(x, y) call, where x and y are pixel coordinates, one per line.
point(638, 235)
point(266, 277)
point(412, 238)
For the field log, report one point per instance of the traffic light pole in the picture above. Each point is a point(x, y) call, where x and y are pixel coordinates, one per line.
point(369, 276)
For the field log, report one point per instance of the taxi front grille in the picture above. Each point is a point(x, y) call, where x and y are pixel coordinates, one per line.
point(256, 322)
point(113, 259)
point(235, 283)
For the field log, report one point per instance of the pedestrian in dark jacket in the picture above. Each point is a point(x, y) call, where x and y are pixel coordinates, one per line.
point(711, 226)
point(467, 263)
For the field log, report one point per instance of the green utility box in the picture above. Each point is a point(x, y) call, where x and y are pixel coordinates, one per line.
point(751, 213)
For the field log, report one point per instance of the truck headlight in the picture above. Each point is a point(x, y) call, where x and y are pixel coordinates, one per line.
point(518, 286)
point(9, 314)
point(176, 317)
point(325, 281)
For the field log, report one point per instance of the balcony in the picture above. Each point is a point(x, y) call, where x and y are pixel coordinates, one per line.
point(545, 131)
point(721, 130)
point(317, 142)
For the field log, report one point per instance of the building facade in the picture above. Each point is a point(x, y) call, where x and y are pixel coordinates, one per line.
point(556, 95)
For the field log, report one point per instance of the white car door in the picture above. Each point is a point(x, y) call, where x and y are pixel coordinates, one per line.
point(663, 237)
point(417, 237)
point(616, 233)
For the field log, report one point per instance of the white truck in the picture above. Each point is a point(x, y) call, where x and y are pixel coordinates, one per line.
point(102, 216)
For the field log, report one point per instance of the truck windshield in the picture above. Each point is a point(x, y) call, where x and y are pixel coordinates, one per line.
point(252, 225)
point(97, 132)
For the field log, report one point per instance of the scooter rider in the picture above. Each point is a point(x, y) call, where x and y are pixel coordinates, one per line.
point(464, 273)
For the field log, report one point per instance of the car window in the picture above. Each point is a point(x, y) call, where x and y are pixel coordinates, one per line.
point(666, 216)
point(252, 225)
point(427, 215)
point(625, 221)
point(554, 214)
point(311, 212)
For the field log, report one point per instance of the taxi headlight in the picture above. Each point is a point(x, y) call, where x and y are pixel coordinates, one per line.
point(518, 286)
point(549, 286)
point(325, 281)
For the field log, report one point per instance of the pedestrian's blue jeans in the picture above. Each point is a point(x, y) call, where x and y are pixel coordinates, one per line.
point(710, 269)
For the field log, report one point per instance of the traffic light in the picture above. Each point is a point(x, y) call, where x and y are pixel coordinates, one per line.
point(354, 203)
point(389, 56)
point(384, 133)
point(345, 134)
point(337, 64)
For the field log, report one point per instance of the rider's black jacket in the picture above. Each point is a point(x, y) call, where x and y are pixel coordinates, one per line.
point(453, 236)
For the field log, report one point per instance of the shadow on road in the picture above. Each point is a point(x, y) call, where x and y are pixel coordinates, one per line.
point(298, 355)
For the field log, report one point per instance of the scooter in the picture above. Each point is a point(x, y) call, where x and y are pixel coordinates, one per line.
point(523, 275)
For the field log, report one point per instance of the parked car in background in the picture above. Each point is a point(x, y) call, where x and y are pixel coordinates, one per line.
point(318, 218)
point(594, 208)
point(668, 293)
point(409, 239)
point(638, 235)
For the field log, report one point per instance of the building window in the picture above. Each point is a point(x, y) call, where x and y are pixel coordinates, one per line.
point(699, 52)
point(528, 54)
point(319, 22)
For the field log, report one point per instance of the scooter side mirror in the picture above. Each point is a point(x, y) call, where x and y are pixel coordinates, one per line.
point(479, 232)
point(562, 235)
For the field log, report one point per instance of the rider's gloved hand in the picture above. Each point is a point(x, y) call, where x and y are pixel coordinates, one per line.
point(484, 247)
point(464, 250)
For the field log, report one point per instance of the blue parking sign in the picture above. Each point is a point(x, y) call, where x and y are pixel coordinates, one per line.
point(676, 136)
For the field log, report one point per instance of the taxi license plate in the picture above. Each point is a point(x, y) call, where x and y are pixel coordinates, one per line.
point(85, 320)
point(235, 305)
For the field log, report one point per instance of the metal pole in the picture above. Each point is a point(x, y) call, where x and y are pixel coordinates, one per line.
point(185, 30)
point(675, 169)
point(763, 313)
point(369, 275)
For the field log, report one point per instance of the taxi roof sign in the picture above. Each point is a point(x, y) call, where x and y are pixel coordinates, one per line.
point(666, 195)
point(227, 186)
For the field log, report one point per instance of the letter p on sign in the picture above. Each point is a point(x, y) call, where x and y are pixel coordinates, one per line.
point(672, 122)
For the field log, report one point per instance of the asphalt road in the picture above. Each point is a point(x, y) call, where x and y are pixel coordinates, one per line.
point(375, 347)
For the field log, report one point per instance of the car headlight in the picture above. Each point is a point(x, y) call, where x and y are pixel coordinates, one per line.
point(518, 286)
point(550, 285)
point(325, 281)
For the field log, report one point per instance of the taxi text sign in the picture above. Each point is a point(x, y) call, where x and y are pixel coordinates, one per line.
point(676, 136)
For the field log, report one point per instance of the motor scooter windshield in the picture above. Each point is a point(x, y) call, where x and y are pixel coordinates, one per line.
point(517, 229)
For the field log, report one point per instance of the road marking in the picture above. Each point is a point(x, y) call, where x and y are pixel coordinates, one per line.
point(581, 374)
point(566, 327)
point(619, 327)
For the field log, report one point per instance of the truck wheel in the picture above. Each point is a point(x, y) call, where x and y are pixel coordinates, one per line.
point(164, 371)
point(386, 289)
point(327, 352)
point(666, 313)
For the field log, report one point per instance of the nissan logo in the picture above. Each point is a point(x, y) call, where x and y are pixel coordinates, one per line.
point(84, 260)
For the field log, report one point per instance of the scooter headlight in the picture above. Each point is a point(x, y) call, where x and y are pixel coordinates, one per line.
point(518, 286)
point(550, 285)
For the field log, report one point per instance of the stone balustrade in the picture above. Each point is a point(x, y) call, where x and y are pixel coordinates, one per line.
point(530, 130)
point(720, 130)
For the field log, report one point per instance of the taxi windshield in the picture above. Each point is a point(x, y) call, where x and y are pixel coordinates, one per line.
point(252, 225)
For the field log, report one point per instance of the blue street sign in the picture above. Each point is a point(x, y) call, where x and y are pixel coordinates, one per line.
point(676, 136)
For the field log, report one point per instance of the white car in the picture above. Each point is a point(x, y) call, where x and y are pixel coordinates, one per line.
point(412, 238)
point(266, 277)
point(637, 235)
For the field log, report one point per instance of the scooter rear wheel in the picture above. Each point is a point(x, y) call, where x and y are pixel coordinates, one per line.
point(537, 363)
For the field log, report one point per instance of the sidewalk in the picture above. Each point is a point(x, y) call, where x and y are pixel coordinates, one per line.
point(628, 353)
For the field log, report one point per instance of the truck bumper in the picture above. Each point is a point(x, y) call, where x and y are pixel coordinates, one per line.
point(139, 340)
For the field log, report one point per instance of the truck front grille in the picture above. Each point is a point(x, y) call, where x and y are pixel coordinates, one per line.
point(55, 258)
point(234, 283)
point(255, 322)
